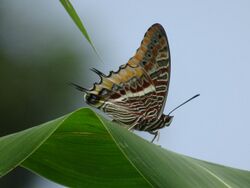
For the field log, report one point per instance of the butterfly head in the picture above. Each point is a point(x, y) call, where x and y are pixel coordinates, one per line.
point(90, 96)
point(93, 99)
point(167, 120)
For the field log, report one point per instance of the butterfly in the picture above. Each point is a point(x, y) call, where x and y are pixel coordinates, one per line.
point(136, 94)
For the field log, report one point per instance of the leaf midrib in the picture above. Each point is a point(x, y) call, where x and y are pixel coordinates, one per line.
point(123, 152)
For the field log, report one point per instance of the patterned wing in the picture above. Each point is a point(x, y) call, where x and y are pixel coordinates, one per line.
point(135, 95)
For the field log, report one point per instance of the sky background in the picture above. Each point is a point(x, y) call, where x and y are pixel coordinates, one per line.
point(209, 44)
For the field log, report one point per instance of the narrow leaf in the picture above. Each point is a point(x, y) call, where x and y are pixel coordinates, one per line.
point(74, 16)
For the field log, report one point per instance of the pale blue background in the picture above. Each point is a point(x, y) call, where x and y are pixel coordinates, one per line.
point(210, 52)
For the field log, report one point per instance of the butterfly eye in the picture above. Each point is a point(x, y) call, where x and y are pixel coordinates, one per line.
point(92, 99)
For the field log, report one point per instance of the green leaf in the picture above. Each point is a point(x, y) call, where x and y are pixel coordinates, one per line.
point(74, 16)
point(15, 148)
point(83, 149)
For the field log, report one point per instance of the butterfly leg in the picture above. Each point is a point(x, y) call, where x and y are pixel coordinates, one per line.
point(156, 135)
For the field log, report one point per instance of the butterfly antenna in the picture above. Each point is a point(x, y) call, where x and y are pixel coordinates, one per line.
point(183, 103)
point(78, 87)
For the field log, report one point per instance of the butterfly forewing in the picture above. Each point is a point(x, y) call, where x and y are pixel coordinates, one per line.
point(135, 95)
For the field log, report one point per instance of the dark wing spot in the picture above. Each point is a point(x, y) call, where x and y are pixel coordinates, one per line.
point(122, 92)
point(144, 62)
point(149, 55)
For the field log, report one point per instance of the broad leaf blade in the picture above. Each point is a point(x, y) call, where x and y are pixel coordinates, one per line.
point(82, 153)
point(15, 148)
point(86, 150)
point(164, 168)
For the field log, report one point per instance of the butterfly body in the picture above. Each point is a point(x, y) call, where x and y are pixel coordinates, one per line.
point(136, 94)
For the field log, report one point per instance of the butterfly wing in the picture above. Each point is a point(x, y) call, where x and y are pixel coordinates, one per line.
point(136, 93)
point(156, 62)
